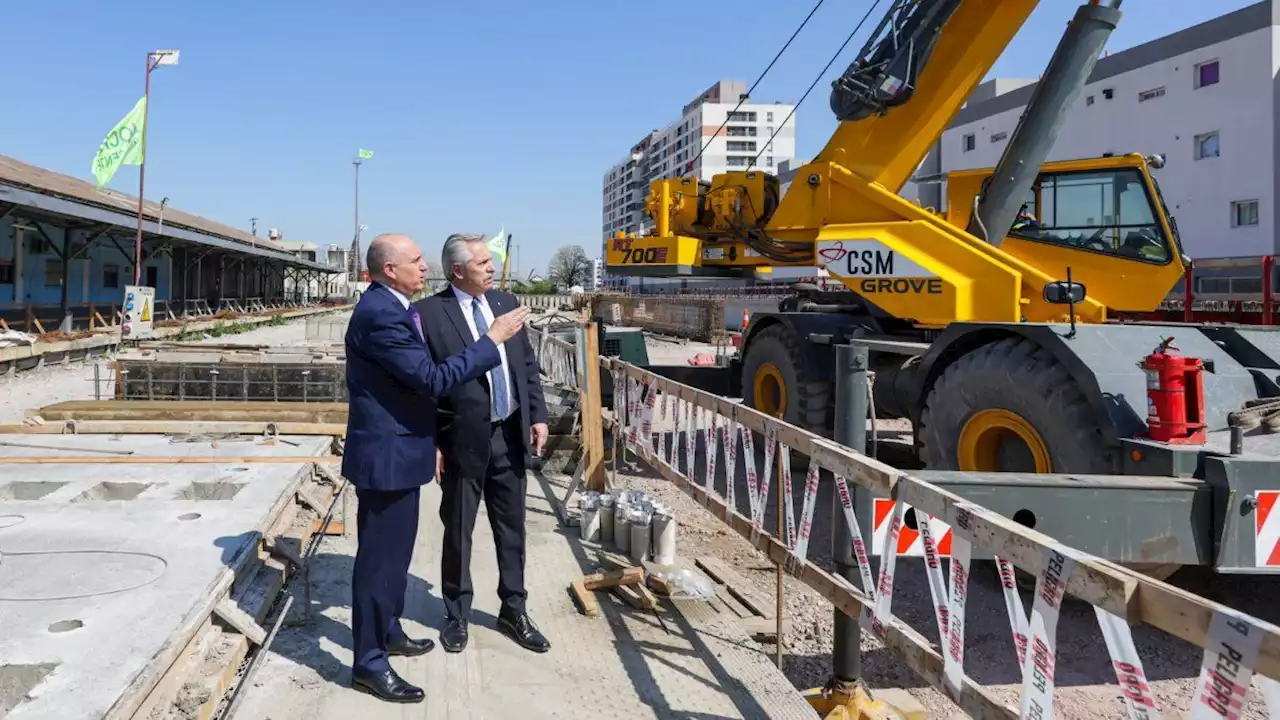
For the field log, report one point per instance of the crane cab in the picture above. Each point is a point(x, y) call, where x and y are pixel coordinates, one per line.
point(1103, 217)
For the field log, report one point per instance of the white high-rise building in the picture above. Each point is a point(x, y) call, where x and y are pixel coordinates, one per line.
point(743, 143)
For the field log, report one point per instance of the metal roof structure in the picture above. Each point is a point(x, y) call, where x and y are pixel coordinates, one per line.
point(26, 185)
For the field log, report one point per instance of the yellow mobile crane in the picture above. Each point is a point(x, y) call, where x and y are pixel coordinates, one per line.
point(987, 330)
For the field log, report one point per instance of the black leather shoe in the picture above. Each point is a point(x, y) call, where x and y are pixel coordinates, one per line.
point(522, 630)
point(454, 636)
point(386, 685)
point(409, 647)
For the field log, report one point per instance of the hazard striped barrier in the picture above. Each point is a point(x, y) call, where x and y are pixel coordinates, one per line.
point(1238, 648)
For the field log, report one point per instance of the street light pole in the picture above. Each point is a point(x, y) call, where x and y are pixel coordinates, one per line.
point(154, 60)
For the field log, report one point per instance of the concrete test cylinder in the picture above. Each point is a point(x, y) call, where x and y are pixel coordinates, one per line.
point(606, 518)
point(639, 522)
point(589, 523)
point(664, 536)
point(622, 527)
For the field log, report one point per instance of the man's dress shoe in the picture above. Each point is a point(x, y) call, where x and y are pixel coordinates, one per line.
point(409, 647)
point(387, 685)
point(521, 629)
point(454, 636)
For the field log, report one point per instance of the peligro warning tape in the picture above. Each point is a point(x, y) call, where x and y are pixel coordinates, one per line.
point(664, 453)
point(713, 451)
point(859, 546)
point(1229, 654)
point(961, 552)
point(749, 460)
point(646, 425)
point(933, 569)
point(788, 502)
point(796, 561)
point(762, 502)
point(1013, 605)
point(888, 564)
point(731, 462)
point(690, 437)
point(633, 414)
point(1042, 655)
point(1138, 699)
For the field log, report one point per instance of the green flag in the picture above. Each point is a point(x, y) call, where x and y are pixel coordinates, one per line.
point(498, 245)
point(366, 154)
point(123, 145)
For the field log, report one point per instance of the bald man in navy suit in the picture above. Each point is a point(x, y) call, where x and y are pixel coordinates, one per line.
point(394, 385)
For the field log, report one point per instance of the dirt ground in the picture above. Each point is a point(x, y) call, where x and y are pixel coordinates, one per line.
point(1086, 684)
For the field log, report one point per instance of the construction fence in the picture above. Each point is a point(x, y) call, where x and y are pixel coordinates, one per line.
point(685, 435)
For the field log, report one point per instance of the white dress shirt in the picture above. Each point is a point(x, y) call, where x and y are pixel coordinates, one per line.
point(464, 303)
point(399, 296)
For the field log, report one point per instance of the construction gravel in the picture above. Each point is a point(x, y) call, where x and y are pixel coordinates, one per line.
point(1085, 681)
point(75, 381)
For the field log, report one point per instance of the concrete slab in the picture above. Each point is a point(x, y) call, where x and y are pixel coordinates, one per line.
point(689, 663)
point(100, 565)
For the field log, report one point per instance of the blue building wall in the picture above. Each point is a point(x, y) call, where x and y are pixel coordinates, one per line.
point(42, 274)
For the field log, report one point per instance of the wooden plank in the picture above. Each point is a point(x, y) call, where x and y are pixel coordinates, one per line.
point(169, 427)
point(592, 430)
point(602, 580)
point(736, 585)
point(335, 527)
point(187, 664)
point(585, 598)
point(637, 596)
point(764, 629)
point(229, 612)
point(196, 410)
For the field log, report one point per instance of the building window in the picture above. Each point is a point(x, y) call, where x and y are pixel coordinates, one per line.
point(1244, 213)
point(52, 273)
point(6, 272)
point(769, 130)
point(742, 117)
point(997, 137)
point(740, 146)
point(970, 142)
point(110, 276)
point(768, 161)
point(1207, 73)
point(1150, 94)
point(1088, 100)
point(1107, 212)
point(153, 277)
point(1207, 145)
point(1108, 93)
point(768, 117)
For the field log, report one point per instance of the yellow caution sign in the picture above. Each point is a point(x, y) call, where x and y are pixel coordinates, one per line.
point(146, 310)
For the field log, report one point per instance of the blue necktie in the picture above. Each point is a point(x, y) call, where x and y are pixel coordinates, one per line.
point(497, 376)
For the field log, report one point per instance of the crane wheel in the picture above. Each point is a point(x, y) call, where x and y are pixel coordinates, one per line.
point(775, 382)
point(1010, 406)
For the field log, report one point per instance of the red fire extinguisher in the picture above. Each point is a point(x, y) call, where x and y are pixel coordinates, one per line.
point(1175, 396)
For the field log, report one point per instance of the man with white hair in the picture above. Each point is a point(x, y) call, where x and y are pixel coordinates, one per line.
point(488, 428)
point(393, 385)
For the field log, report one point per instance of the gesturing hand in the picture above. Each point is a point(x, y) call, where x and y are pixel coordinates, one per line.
point(506, 325)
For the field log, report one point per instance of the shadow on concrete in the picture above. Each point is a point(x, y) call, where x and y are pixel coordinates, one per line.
point(328, 629)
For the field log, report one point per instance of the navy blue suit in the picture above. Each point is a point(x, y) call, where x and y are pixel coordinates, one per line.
point(394, 385)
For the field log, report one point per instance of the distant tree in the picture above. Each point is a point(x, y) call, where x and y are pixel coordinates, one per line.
point(570, 266)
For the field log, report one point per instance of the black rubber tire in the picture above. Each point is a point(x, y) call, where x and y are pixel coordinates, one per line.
point(808, 399)
point(1018, 375)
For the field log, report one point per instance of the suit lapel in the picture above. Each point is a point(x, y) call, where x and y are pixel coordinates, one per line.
point(453, 309)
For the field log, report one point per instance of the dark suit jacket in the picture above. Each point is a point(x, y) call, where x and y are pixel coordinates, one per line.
point(394, 383)
point(465, 411)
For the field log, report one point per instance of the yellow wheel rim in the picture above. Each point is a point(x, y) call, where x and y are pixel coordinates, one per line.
point(770, 392)
point(993, 435)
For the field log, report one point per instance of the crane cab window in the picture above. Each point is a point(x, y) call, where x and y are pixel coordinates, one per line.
point(1107, 211)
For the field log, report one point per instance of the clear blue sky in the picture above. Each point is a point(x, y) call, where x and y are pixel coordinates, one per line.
point(479, 113)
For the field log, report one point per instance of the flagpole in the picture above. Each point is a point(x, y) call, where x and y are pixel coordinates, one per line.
point(506, 263)
point(142, 172)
